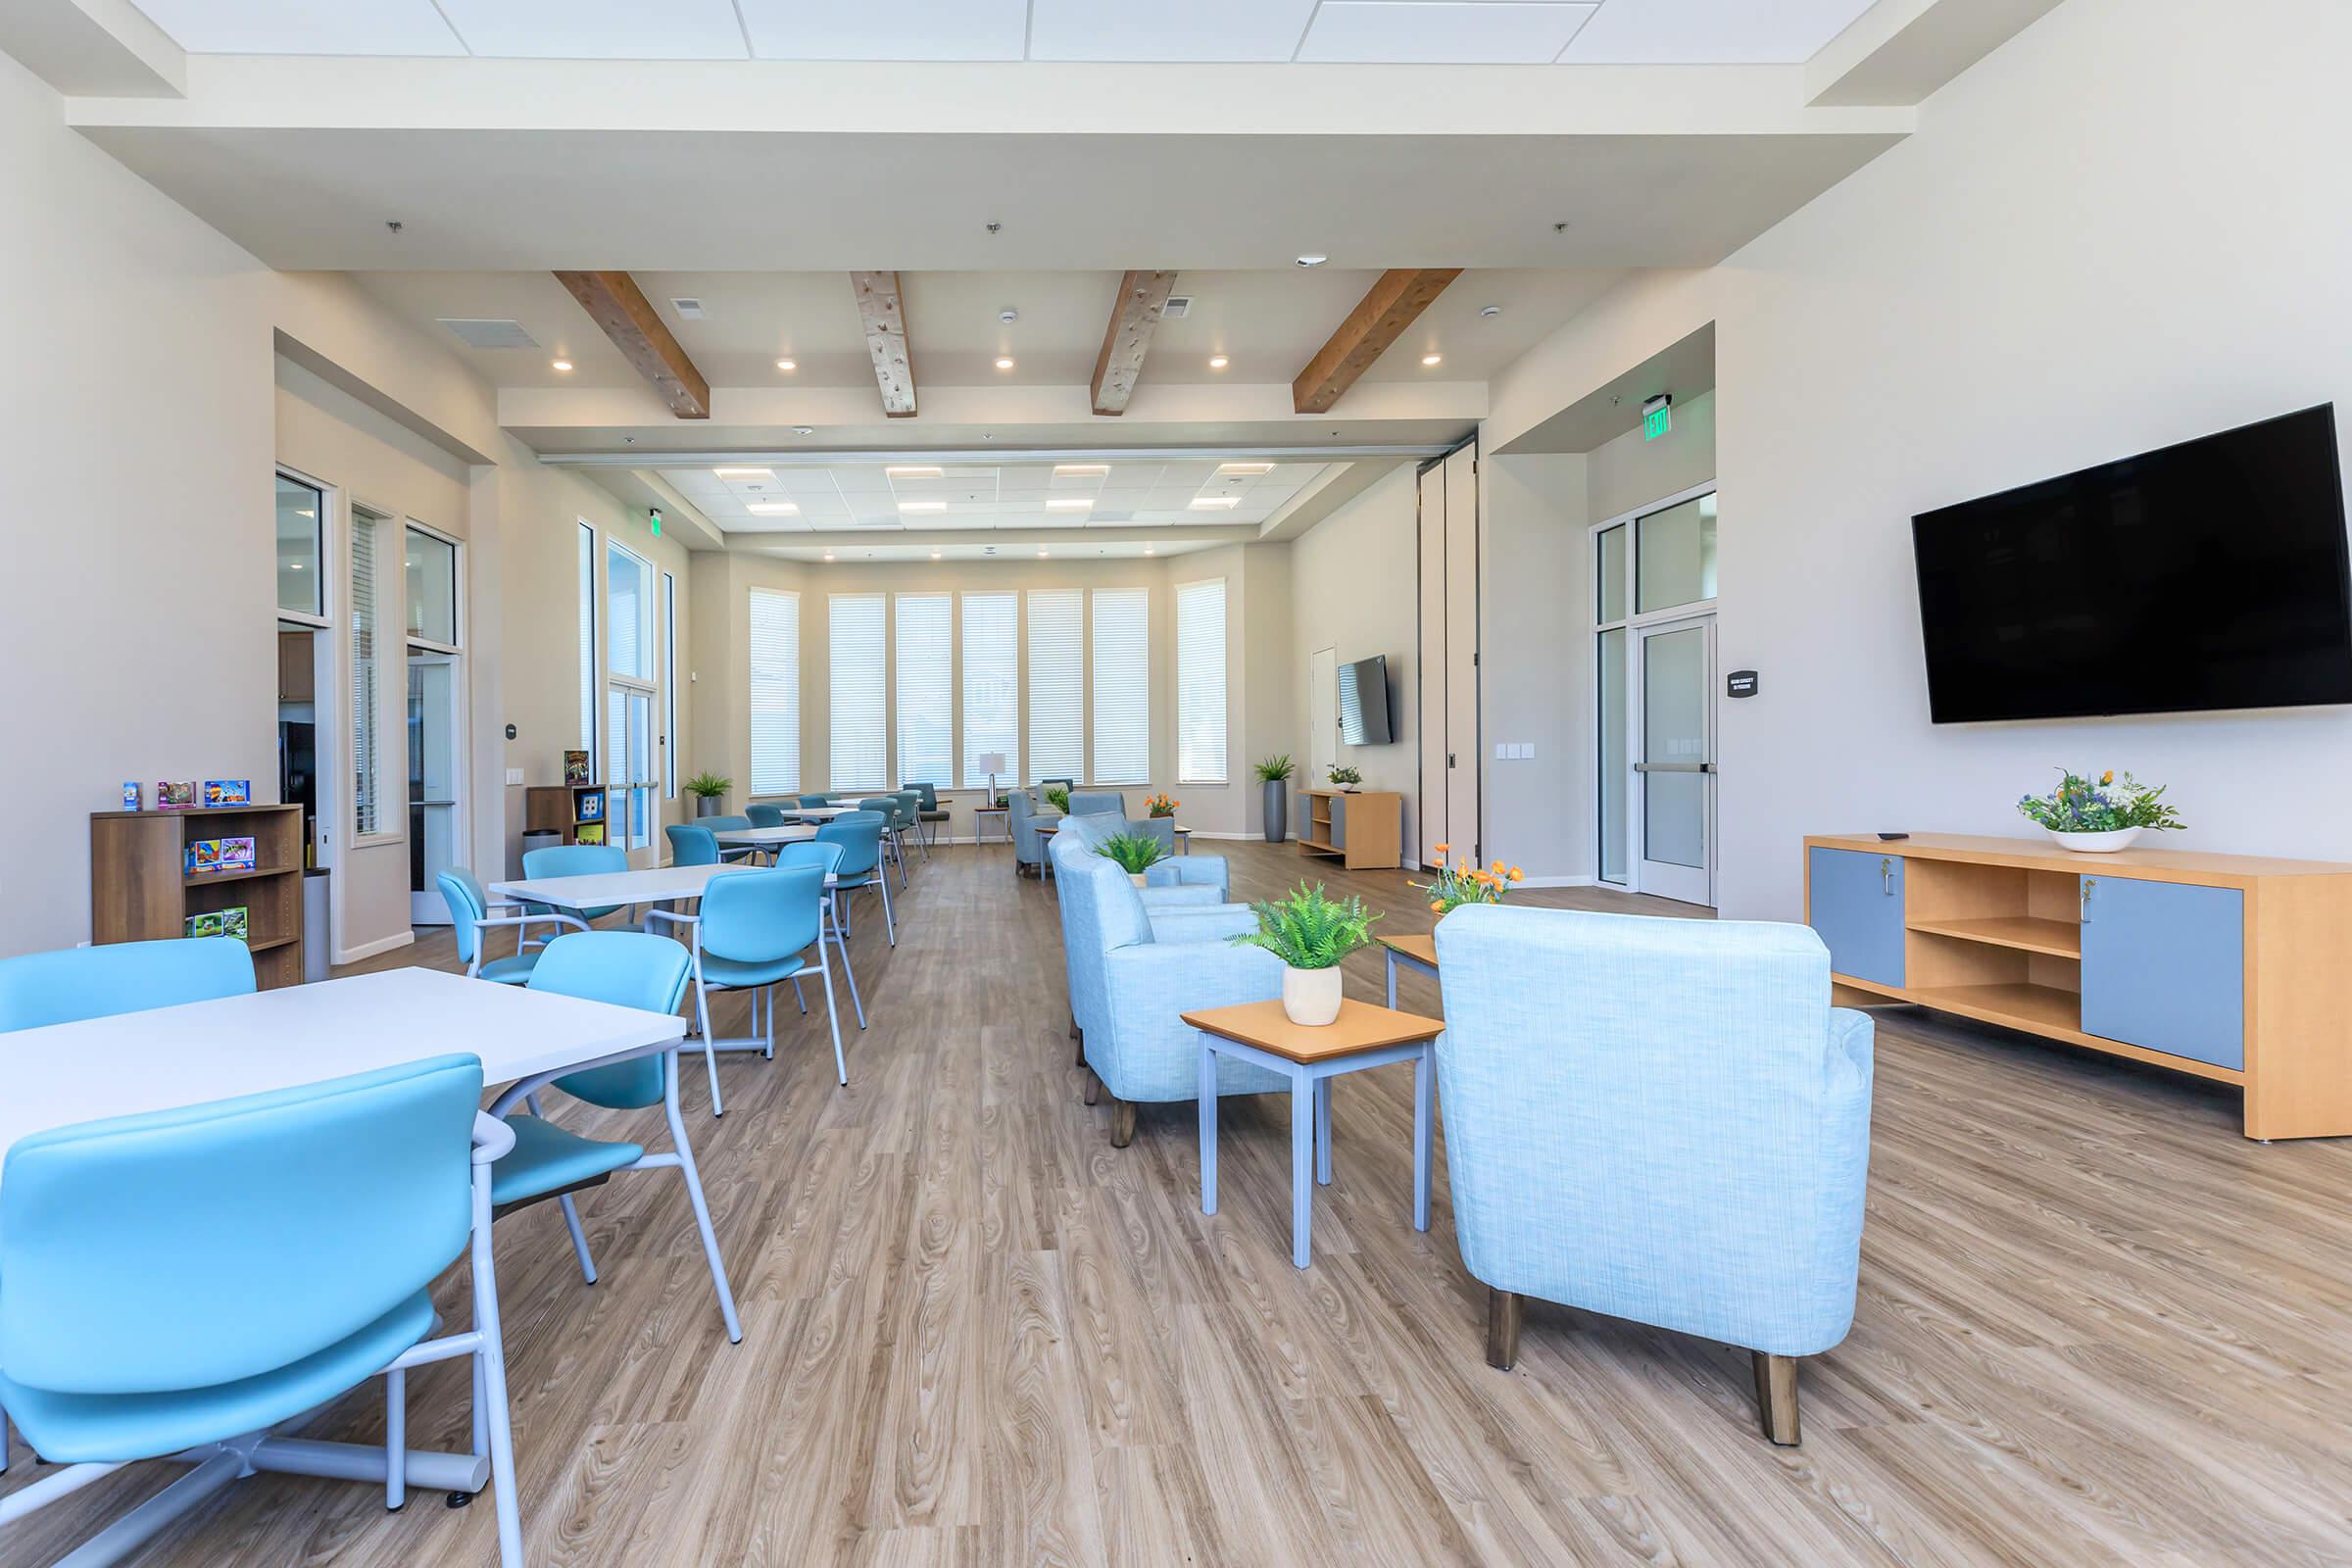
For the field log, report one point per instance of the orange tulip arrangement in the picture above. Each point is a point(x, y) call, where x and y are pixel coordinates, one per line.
point(1162, 805)
point(1468, 883)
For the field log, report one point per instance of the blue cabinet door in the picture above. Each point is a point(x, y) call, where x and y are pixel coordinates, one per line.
point(1855, 902)
point(2164, 967)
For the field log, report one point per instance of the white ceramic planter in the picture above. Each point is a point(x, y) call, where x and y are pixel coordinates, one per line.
point(1138, 878)
point(2095, 843)
point(1311, 997)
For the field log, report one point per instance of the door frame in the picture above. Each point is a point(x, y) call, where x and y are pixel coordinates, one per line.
point(1664, 878)
point(1330, 739)
point(428, 908)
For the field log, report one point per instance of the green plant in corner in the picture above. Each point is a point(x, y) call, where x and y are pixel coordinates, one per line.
point(1345, 777)
point(709, 785)
point(1134, 852)
point(1058, 796)
point(1274, 769)
point(1307, 930)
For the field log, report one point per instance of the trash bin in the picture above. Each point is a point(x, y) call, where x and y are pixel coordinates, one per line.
point(540, 839)
point(315, 913)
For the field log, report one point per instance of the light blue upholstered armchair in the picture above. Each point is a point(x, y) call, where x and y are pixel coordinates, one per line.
point(1661, 1120)
point(1096, 803)
point(1028, 844)
point(1205, 877)
point(1135, 969)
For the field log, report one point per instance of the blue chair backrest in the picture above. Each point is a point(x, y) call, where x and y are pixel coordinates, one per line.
point(727, 824)
point(823, 854)
point(928, 796)
point(575, 860)
point(764, 814)
point(74, 983)
point(816, 800)
point(188, 1248)
point(761, 917)
point(1045, 784)
point(859, 835)
point(1163, 828)
point(886, 807)
point(1096, 803)
point(692, 844)
point(468, 901)
point(629, 969)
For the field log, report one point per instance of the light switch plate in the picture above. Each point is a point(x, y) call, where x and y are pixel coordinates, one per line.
point(514, 775)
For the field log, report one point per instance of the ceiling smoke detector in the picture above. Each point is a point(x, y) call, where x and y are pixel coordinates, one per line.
point(1009, 316)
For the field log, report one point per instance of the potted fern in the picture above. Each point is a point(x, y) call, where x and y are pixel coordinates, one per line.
point(710, 792)
point(1134, 852)
point(1058, 796)
point(1310, 934)
point(1273, 775)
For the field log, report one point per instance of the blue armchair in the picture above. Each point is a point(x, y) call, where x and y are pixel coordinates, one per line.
point(1661, 1120)
point(1096, 803)
point(1204, 878)
point(1028, 844)
point(1135, 969)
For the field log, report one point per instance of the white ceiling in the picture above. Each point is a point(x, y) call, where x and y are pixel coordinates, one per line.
point(860, 552)
point(1402, 31)
point(829, 498)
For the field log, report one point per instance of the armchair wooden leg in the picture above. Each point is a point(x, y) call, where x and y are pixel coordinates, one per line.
point(1504, 1308)
point(1122, 1122)
point(1094, 1087)
point(1776, 1397)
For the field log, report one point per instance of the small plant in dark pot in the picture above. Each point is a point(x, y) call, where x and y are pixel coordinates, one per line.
point(710, 792)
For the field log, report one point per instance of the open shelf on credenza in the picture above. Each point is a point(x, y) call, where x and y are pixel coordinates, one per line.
point(2059, 939)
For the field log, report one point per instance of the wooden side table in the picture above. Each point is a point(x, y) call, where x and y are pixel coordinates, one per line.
point(980, 816)
point(1362, 1036)
point(1415, 952)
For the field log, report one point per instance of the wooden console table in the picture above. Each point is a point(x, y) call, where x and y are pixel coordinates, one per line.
point(2228, 966)
point(1365, 828)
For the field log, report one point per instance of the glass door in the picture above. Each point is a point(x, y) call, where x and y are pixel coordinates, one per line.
point(433, 772)
point(1675, 776)
point(629, 778)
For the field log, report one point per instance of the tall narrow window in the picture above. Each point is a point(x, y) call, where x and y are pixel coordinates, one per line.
point(1201, 682)
point(775, 682)
point(301, 525)
point(431, 566)
point(366, 696)
point(1057, 686)
point(1123, 686)
point(587, 639)
point(992, 685)
point(669, 686)
point(628, 697)
point(861, 722)
point(926, 690)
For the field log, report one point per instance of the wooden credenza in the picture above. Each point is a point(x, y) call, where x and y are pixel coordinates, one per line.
point(1364, 828)
point(2228, 966)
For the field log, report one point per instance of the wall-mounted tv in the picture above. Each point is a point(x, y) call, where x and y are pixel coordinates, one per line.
point(2206, 575)
point(1364, 701)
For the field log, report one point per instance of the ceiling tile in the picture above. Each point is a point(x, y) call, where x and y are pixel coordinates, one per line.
point(303, 26)
point(1430, 32)
point(597, 29)
point(886, 29)
point(1166, 30)
point(1711, 31)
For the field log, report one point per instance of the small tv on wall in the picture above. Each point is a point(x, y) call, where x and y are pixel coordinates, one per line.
point(1364, 701)
point(2203, 576)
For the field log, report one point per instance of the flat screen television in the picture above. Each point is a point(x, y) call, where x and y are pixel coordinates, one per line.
point(1364, 701)
point(2202, 577)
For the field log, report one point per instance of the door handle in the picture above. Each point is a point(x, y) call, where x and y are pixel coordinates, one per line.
point(1674, 768)
point(2088, 883)
point(1886, 875)
point(1449, 758)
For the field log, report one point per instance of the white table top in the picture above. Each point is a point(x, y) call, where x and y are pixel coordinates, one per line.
point(205, 1051)
point(660, 884)
point(764, 836)
point(817, 814)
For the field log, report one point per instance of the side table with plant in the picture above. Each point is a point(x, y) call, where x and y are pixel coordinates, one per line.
point(1311, 934)
point(2102, 817)
point(1273, 787)
point(1135, 854)
point(1162, 805)
point(710, 792)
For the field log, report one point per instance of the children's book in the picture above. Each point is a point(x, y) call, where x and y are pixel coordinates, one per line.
point(174, 797)
point(204, 855)
point(209, 924)
point(588, 805)
point(130, 797)
point(575, 768)
point(228, 792)
point(590, 833)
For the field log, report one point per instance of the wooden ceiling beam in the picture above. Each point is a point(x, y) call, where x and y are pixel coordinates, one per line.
point(1134, 317)
point(882, 309)
point(1379, 320)
point(615, 302)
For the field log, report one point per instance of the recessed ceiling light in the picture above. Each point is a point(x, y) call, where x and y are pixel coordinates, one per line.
point(1245, 467)
point(1489, 311)
point(745, 473)
point(798, 430)
point(1040, 555)
point(1215, 503)
point(922, 506)
point(934, 555)
point(828, 554)
point(916, 473)
point(1311, 258)
point(297, 565)
point(787, 364)
point(1071, 503)
point(1005, 364)
point(1147, 549)
point(1081, 467)
point(1432, 359)
point(771, 509)
point(1218, 361)
point(561, 364)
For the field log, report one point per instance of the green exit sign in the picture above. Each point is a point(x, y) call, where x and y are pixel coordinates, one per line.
point(654, 515)
point(1657, 417)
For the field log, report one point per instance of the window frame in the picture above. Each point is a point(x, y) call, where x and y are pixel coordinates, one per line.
point(901, 671)
point(837, 710)
point(968, 769)
point(1224, 694)
point(457, 589)
point(1096, 772)
point(367, 704)
point(791, 685)
point(329, 497)
point(1071, 762)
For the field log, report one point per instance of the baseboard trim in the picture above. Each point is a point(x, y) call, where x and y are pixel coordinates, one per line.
point(1560, 882)
point(368, 949)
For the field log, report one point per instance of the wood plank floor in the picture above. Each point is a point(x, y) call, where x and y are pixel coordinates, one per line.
point(2097, 1327)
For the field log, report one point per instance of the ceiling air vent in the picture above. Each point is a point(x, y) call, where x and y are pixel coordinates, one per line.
point(689, 310)
point(1178, 306)
point(483, 333)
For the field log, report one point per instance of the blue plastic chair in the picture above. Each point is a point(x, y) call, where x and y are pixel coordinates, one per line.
point(575, 860)
point(890, 810)
point(816, 800)
point(181, 1283)
point(629, 969)
point(76, 983)
point(764, 814)
point(729, 824)
point(692, 844)
point(859, 835)
point(752, 930)
point(470, 917)
point(928, 812)
point(827, 857)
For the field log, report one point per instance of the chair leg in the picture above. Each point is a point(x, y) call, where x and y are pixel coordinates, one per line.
point(889, 919)
point(702, 1209)
point(1079, 1035)
point(579, 1239)
point(771, 993)
point(1505, 1309)
point(1122, 1122)
point(3, 1442)
point(1776, 1397)
point(847, 973)
point(494, 1431)
point(1094, 1088)
point(824, 969)
point(701, 1008)
point(800, 995)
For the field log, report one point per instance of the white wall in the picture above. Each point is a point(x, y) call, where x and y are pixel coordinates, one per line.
point(1631, 473)
point(2123, 228)
point(1535, 677)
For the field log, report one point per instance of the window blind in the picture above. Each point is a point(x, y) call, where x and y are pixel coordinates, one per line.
point(926, 690)
point(1056, 685)
point(1201, 682)
point(775, 682)
point(366, 532)
point(587, 639)
point(1123, 686)
point(861, 722)
point(991, 685)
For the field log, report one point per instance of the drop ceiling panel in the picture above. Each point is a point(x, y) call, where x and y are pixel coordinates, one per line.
point(1711, 31)
point(1442, 32)
point(303, 26)
point(886, 29)
point(597, 29)
point(1167, 30)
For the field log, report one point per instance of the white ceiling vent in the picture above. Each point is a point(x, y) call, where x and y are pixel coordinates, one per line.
point(1178, 307)
point(689, 310)
point(485, 333)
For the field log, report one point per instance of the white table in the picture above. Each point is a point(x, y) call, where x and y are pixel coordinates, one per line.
point(817, 814)
point(763, 838)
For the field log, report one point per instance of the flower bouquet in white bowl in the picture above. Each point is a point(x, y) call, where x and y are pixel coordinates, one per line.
point(2101, 817)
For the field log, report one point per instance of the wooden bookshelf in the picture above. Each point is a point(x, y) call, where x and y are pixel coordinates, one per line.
point(142, 890)
point(1364, 828)
point(576, 811)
